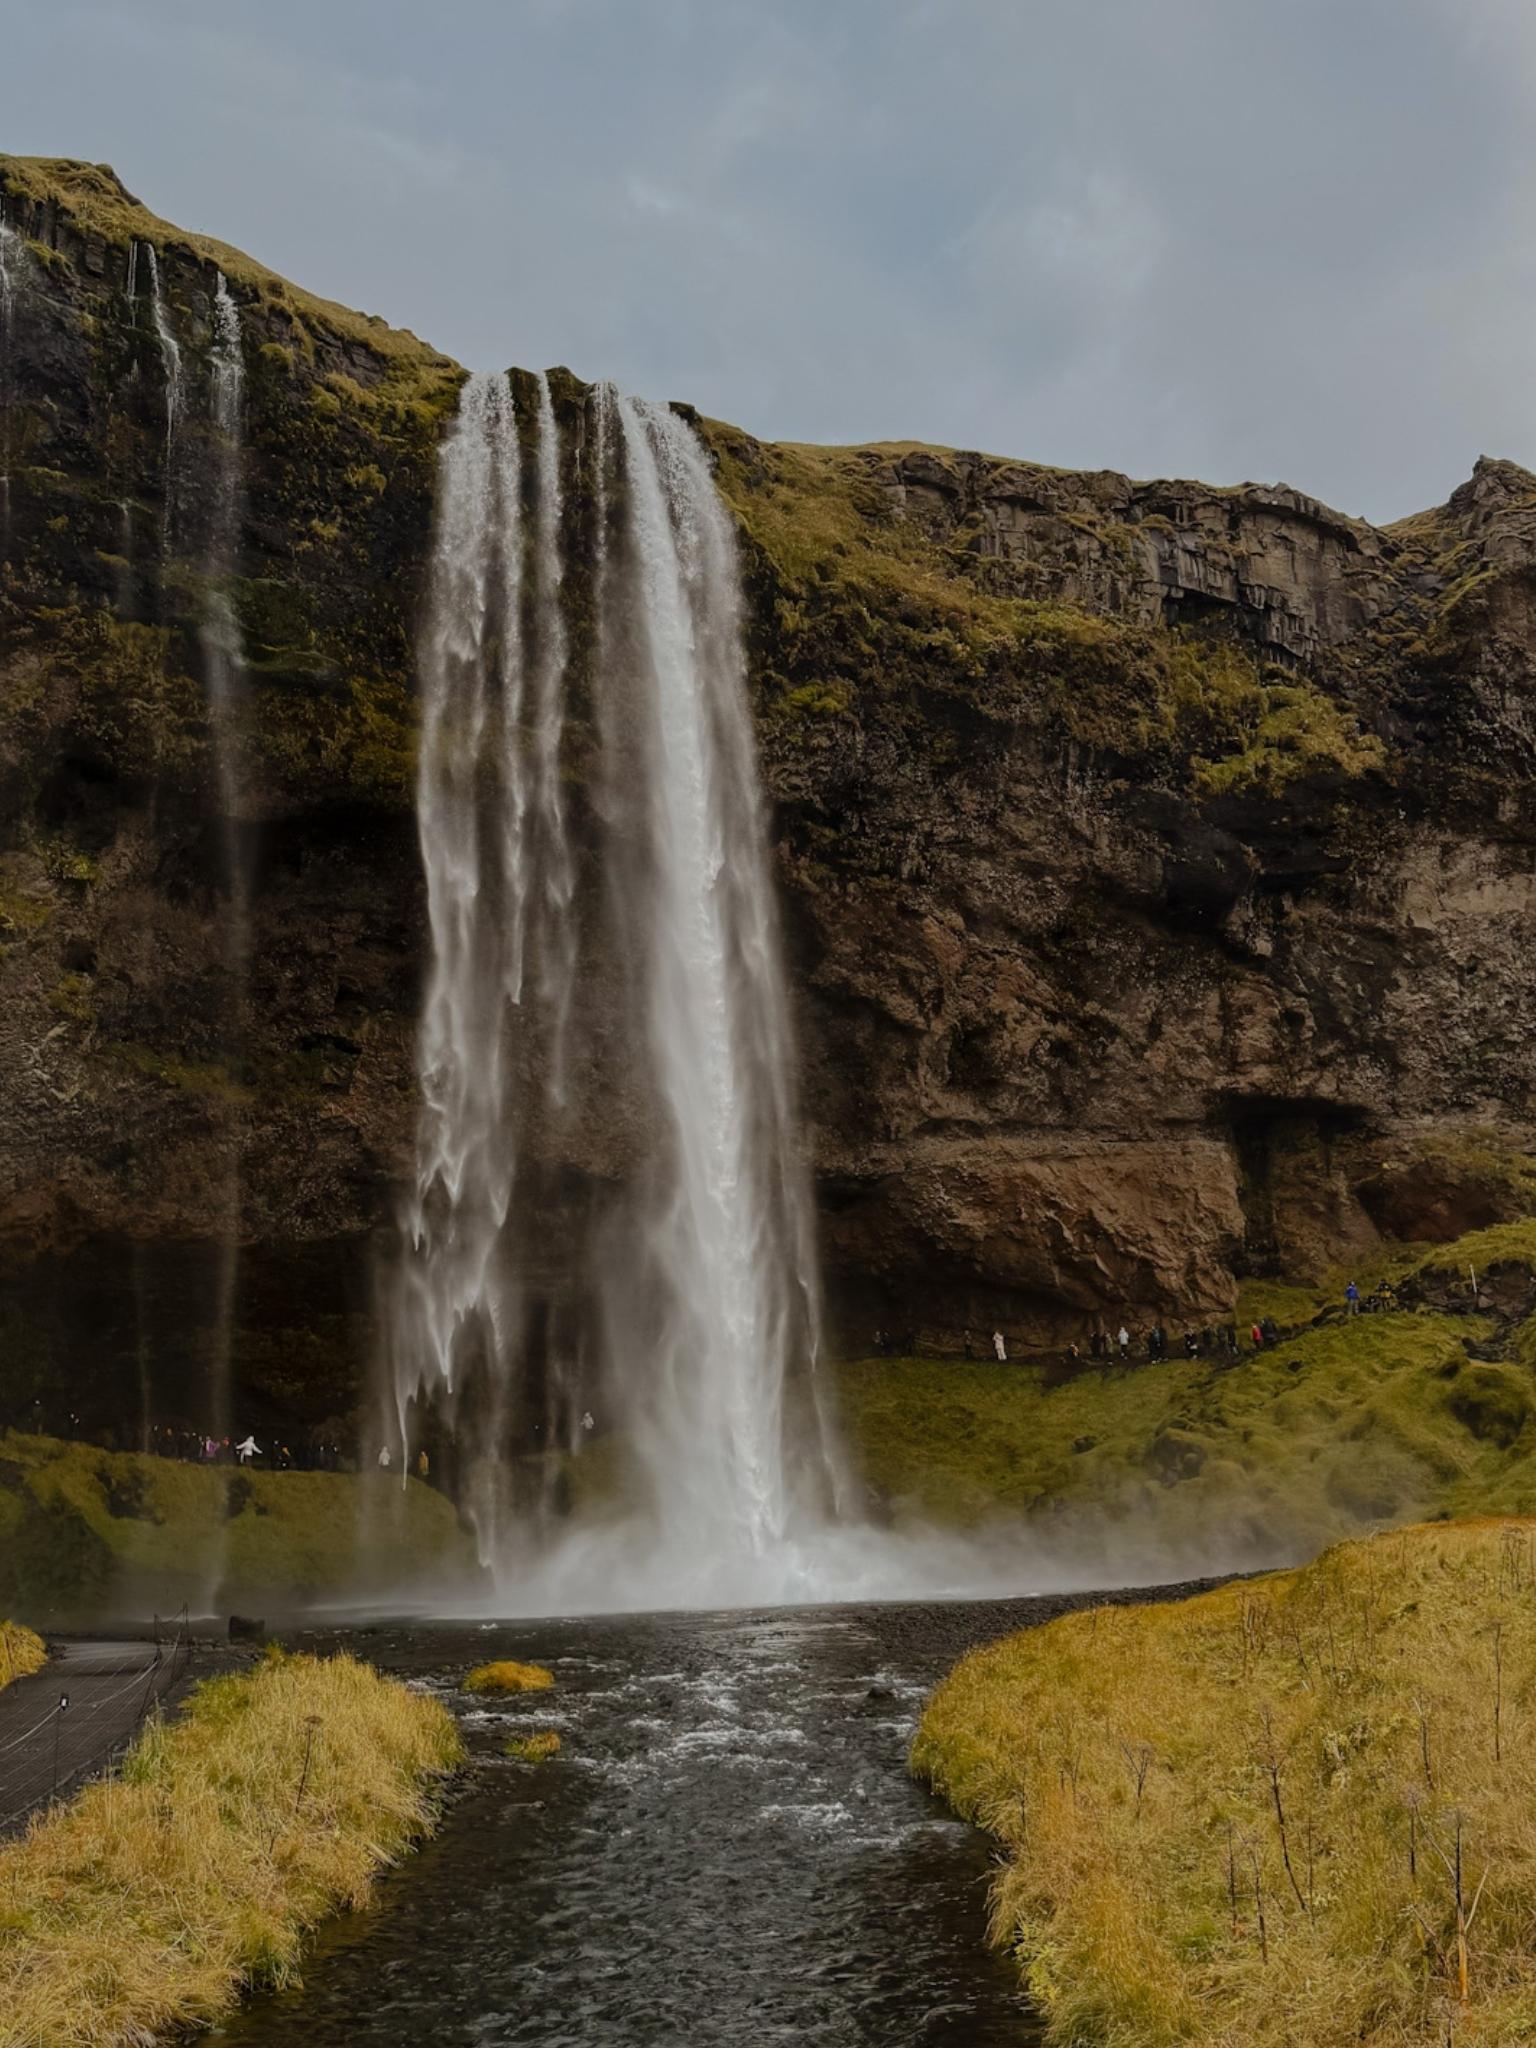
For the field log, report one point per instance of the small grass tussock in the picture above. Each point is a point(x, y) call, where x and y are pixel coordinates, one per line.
point(508, 1676)
point(1300, 1809)
point(156, 1897)
point(21, 1652)
point(536, 1748)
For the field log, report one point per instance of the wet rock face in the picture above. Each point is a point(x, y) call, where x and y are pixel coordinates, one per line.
point(1157, 860)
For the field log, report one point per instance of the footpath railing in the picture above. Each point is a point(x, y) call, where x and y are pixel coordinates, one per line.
point(87, 1730)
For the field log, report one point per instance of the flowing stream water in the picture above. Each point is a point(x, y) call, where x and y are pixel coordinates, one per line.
point(728, 1851)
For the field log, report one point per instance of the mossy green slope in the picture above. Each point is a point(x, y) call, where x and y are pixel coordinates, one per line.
point(83, 1530)
point(1347, 1423)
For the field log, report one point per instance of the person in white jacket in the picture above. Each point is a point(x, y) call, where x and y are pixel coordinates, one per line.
point(999, 1345)
point(248, 1450)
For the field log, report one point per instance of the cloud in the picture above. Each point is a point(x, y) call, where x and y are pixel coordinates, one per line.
point(1214, 236)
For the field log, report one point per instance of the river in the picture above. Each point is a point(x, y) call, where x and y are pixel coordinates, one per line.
point(727, 1852)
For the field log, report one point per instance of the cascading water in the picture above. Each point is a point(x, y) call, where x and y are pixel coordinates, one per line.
point(453, 1321)
point(170, 355)
point(12, 256)
point(724, 1276)
point(557, 938)
point(223, 677)
point(693, 1274)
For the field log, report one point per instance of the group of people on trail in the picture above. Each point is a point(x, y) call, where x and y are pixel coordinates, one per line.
point(1382, 1300)
point(279, 1458)
point(201, 1447)
point(1154, 1346)
point(1219, 1340)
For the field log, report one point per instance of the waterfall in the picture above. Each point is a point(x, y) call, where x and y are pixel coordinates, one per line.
point(12, 256)
point(724, 1229)
point(557, 939)
point(170, 356)
point(223, 656)
point(224, 685)
point(691, 1278)
point(453, 1313)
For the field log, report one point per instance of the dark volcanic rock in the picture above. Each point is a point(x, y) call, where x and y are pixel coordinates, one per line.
point(1158, 859)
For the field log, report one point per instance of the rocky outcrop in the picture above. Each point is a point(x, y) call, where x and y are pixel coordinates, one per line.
point(1157, 858)
point(1276, 567)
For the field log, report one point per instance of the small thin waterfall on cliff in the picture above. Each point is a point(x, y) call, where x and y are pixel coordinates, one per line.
point(170, 355)
point(693, 1279)
point(12, 256)
point(223, 679)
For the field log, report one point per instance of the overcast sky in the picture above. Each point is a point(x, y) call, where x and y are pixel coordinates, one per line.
point(1226, 238)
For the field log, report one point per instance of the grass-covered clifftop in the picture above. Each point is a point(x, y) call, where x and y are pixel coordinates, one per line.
point(1297, 1810)
point(86, 1531)
point(103, 586)
point(1024, 592)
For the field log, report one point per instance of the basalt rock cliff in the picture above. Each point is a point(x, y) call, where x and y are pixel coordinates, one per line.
point(1157, 858)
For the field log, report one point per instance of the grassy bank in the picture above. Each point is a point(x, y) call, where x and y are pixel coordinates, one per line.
point(1345, 1425)
point(21, 1652)
point(1237, 1819)
point(154, 1899)
point(83, 1530)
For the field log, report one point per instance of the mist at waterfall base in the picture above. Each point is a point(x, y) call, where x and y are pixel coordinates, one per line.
point(605, 955)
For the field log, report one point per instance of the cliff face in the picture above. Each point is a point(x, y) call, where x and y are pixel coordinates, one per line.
point(1157, 858)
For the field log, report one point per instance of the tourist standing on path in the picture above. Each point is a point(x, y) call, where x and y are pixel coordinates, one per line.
point(1125, 1342)
point(248, 1450)
point(1352, 1299)
point(384, 1458)
point(1000, 1347)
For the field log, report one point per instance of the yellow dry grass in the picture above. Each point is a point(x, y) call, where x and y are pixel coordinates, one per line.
point(508, 1676)
point(155, 1897)
point(21, 1652)
point(1238, 1820)
point(536, 1748)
